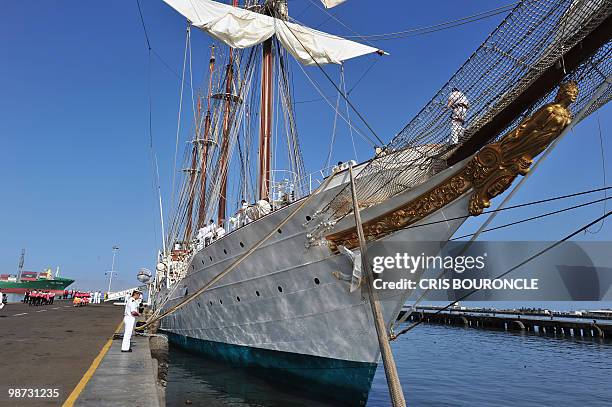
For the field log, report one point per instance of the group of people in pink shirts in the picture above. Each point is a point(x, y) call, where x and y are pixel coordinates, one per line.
point(36, 298)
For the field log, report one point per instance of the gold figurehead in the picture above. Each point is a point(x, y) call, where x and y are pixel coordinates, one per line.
point(489, 173)
point(514, 153)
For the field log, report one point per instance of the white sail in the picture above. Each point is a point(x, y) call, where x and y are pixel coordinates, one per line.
point(241, 28)
point(331, 3)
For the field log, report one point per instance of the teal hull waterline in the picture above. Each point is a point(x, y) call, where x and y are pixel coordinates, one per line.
point(344, 381)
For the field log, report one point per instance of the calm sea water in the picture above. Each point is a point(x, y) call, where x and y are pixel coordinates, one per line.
point(438, 366)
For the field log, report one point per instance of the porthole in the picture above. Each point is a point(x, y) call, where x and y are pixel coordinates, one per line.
point(316, 280)
point(192, 267)
point(202, 262)
point(199, 306)
point(280, 289)
point(257, 293)
point(224, 251)
point(241, 244)
point(308, 218)
point(210, 257)
point(221, 302)
point(238, 299)
point(279, 231)
point(210, 302)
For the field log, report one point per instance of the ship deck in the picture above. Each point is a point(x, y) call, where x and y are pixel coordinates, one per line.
point(53, 347)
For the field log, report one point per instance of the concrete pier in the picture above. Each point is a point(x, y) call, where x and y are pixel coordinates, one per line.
point(50, 347)
point(59, 355)
point(123, 379)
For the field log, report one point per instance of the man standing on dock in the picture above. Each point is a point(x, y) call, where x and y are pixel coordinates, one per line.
point(129, 319)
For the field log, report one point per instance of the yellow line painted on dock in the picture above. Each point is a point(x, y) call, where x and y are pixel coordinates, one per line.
point(72, 398)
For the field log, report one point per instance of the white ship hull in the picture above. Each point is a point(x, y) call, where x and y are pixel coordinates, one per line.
point(285, 308)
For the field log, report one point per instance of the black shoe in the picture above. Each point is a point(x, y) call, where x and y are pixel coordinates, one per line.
point(129, 350)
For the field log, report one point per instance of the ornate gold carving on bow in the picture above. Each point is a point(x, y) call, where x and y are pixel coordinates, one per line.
point(488, 174)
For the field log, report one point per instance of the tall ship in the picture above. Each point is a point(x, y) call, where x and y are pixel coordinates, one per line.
point(259, 261)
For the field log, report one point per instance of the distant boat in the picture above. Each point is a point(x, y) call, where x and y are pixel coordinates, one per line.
point(31, 280)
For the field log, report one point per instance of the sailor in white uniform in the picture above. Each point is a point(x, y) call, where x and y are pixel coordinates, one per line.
point(458, 104)
point(201, 233)
point(1, 300)
point(233, 223)
point(220, 232)
point(210, 232)
point(242, 213)
point(129, 319)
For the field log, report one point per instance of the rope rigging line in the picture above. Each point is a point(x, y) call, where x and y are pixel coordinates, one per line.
point(166, 65)
point(358, 131)
point(193, 104)
point(357, 82)
point(529, 219)
point(144, 27)
point(519, 265)
point(335, 85)
point(603, 171)
point(151, 49)
point(178, 124)
point(334, 17)
point(154, 168)
point(285, 96)
point(440, 26)
point(333, 137)
point(363, 75)
point(348, 114)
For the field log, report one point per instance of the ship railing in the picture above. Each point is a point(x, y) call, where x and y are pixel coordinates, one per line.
point(285, 186)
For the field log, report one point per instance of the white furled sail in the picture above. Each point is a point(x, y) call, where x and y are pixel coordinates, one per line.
point(331, 3)
point(241, 28)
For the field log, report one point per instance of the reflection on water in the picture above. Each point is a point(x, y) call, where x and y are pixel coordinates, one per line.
point(208, 382)
point(438, 366)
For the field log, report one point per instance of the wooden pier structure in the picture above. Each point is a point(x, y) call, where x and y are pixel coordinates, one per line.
point(536, 321)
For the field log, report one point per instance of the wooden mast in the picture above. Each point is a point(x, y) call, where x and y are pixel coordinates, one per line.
point(205, 140)
point(265, 117)
point(226, 129)
point(265, 125)
point(192, 173)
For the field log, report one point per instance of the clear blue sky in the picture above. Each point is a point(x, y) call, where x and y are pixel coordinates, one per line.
point(76, 169)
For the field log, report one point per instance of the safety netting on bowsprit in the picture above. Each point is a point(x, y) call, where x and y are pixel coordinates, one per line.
point(534, 37)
